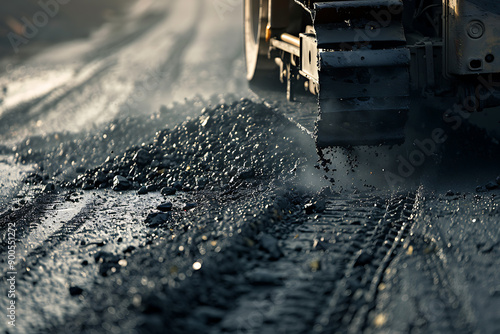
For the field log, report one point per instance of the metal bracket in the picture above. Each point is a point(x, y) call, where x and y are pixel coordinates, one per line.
point(309, 57)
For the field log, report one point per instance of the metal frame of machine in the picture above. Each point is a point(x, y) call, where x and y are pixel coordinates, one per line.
point(366, 58)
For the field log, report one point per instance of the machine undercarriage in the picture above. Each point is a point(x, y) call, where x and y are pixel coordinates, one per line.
point(365, 59)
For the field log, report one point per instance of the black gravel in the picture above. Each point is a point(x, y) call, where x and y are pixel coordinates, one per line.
point(247, 250)
point(62, 156)
point(242, 236)
point(231, 145)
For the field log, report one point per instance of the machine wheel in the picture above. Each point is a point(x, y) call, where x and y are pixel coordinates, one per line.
point(256, 47)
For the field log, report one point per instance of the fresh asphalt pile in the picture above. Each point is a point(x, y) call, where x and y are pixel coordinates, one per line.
point(224, 147)
point(60, 157)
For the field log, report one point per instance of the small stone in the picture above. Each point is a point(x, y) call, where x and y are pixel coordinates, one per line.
point(189, 206)
point(151, 187)
point(497, 180)
point(80, 169)
point(49, 187)
point(320, 245)
point(88, 184)
point(164, 207)
point(142, 157)
point(450, 193)
point(103, 256)
point(129, 249)
point(75, 290)
point(121, 183)
point(309, 207)
point(315, 206)
point(100, 178)
point(166, 191)
point(232, 171)
point(246, 174)
point(156, 219)
point(142, 190)
point(201, 182)
point(107, 268)
point(177, 185)
point(363, 259)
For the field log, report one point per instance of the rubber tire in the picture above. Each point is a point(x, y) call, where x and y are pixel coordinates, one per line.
point(256, 47)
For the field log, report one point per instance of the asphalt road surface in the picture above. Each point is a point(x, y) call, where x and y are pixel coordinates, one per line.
point(145, 189)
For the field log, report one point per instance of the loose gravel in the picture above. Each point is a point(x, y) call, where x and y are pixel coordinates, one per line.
point(230, 145)
point(232, 236)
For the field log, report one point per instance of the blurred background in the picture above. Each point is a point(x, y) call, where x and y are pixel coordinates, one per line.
point(75, 19)
point(90, 62)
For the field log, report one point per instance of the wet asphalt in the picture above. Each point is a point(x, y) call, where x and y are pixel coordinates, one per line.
point(151, 192)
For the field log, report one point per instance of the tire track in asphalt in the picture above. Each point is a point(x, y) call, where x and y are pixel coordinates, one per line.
point(61, 251)
point(402, 219)
point(452, 314)
point(25, 217)
point(445, 281)
point(42, 224)
point(66, 230)
point(328, 279)
point(375, 242)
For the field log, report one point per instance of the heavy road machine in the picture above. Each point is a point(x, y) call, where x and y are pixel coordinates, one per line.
point(365, 59)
